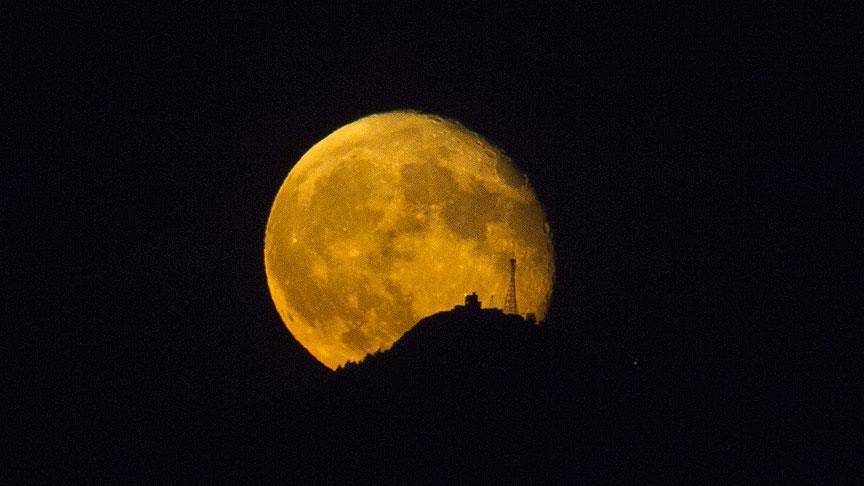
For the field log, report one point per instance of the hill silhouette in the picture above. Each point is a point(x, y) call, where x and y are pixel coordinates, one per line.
point(462, 338)
point(465, 396)
point(459, 397)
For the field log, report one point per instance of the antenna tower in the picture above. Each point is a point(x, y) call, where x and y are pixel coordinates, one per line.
point(510, 306)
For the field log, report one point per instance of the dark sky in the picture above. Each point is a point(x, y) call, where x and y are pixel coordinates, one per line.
point(700, 166)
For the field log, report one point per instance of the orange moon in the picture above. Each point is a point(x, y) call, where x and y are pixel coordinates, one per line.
point(392, 218)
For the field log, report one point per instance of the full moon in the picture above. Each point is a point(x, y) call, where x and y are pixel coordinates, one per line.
point(395, 217)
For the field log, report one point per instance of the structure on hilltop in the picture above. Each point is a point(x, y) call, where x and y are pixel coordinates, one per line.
point(510, 305)
point(473, 305)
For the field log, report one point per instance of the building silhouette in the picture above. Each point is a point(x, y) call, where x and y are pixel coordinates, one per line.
point(472, 303)
point(474, 306)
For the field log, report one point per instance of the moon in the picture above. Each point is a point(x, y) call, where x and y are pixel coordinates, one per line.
point(395, 217)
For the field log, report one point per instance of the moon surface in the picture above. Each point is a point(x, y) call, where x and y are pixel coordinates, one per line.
point(395, 217)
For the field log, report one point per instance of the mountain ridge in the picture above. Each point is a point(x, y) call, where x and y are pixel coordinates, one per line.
point(455, 335)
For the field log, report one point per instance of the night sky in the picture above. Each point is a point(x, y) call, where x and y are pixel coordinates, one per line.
point(700, 168)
